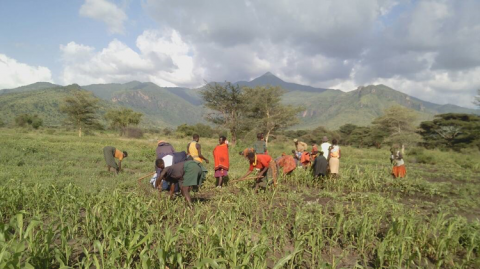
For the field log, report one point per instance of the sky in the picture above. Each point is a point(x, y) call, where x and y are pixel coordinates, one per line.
point(429, 49)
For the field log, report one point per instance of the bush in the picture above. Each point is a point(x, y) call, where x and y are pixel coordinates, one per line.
point(134, 132)
point(27, 119)
point(421, 156)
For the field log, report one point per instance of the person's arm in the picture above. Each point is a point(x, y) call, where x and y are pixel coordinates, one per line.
point(329, 151)
point(339, 153)
point(245, 176)
point(199, 148)
point(259, 175)
point(161, 177)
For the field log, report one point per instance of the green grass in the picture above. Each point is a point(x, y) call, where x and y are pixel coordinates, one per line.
point(59, 208)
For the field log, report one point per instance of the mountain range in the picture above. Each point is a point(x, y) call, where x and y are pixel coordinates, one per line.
point(170, 107)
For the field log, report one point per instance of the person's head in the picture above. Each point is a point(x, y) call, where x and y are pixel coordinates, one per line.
point(125, 154)
point(325, 139)
point(295, 141)
point(196, 137)
point(222, 139)
point(161, 142)
point(251, 156)
point(293, 151)
point(334, 142)
point(259, 136)
point(160, 163)
point(320, 153)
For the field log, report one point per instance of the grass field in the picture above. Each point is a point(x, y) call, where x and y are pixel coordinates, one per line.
point(60, 208)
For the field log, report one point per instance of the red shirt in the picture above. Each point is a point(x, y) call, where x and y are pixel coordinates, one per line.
point(263, 161)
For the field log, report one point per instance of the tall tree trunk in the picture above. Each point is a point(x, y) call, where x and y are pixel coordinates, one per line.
point(234, 138)
point(266, 137)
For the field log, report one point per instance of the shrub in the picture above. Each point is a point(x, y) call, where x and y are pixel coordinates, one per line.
point(27, 119)
point(134, 132)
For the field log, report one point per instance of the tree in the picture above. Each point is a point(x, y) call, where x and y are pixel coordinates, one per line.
point(477, 99)
point(227, 103)
point(451, 130)
point(80, 108)
point(26, 119)
point(266, 111)
point(399, 122)
point(121, 119)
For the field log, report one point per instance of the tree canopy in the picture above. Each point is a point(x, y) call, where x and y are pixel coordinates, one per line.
point(81, 109)
point(451, 130)
point(228, 107)
point(266, 112)
point(121, 119)
point(399, 123)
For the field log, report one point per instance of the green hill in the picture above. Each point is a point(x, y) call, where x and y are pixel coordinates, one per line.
point(161, 106)
point(170, 107)
point(45, 102)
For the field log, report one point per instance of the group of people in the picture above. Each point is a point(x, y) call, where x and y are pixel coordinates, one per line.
point(323, 161)
point(180, 171)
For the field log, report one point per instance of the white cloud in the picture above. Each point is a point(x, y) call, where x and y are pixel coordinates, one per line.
point(14, 74)
point(429, 49)
point(163, 58)
point(105, 11)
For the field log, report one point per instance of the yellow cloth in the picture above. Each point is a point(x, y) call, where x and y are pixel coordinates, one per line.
point(192, 150)
point(118, 154)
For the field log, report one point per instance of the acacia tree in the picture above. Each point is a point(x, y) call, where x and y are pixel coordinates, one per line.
point(267, 112)
point(477, 99)
point(228, 106)
point(80, 108)
point(122, 118)
point(399, 122)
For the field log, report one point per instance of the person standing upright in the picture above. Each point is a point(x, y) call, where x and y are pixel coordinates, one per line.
point(221, 159)
point(325, 146)
point(260, 145)
point(334, 155)
point(195, 150)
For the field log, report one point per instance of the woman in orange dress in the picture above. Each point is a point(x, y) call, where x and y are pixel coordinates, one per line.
point(396, 158)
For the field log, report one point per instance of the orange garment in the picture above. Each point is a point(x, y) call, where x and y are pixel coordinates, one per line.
point(305, 158)
point(118, 154)
point(262, 161)
point(399, 171)
point(287, 162)
point(220, 154)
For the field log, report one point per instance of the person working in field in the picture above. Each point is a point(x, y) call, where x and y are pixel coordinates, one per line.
point(287, 163)
point(300, 150)
point(195, 150)
point(396, 158)
point(221, 159)
point(320, 165)
point(169, 160)
point(164, 148)
point(110, 154)
point(334, 155)
point(246, 151)
point(265, 163)
point(260, 146)
point(187, 174)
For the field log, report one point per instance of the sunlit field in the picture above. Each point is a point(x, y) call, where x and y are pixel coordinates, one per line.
point(60, 208)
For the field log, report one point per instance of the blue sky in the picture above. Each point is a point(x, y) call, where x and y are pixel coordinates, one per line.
point(429, 49)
